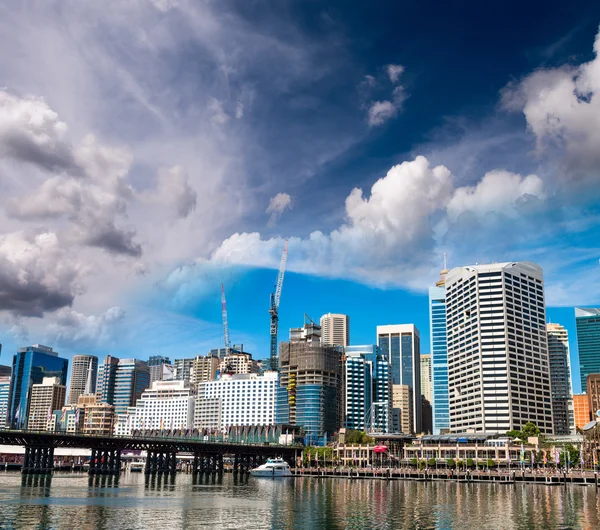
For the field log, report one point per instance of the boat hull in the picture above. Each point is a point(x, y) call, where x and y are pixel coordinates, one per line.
point(271, 473)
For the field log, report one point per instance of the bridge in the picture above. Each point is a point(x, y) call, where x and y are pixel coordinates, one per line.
point(161, 451)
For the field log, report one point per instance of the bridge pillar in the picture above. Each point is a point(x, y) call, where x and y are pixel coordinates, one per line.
point(38, 460)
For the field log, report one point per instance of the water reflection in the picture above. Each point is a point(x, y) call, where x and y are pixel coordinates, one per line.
point(225, 501)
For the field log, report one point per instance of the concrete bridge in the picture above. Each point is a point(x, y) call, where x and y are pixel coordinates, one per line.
point(161, 451)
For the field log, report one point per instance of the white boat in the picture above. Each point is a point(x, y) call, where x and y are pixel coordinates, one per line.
point(275, 467)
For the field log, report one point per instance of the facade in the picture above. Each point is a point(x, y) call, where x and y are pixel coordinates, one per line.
point(69, 419)
point(107, 373)
point(183, 369)
point(79, 375)
point(581, 410)
point(30, 366)
point(239, 363)
point(46, 397)
point(587, 321)
point(426, 416)
point(205, 369)
point(5, 371)
point(593, 392)
point(335, 329)
point(166, 405)
point(221, 352)
point(498, 365)
point(4, 395)
point(560, 378)
point(403, 409)
point(367, 388)
point(99, 418)
point(310, 393)
point(439, 355)
point(121, 382)
point(426, 386)
point(236, 400)
point(400, 344)
point(160, 368)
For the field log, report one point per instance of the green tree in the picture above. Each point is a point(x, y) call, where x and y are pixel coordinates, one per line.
point(514, 434)
point(469, 462)
point(358, 437)
point(413, 461)
point(491, 462)
point(431, 462)
point(530, 429)
point(451, 462)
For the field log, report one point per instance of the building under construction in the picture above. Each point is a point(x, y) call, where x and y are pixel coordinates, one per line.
point(311, 384)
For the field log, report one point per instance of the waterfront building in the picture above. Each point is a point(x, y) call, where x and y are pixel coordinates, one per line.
point(593, 392)
point(400, 344)
point(581, 410)
point(79, 375)
point(310, 393)
point(367, 389)
point(47, 396)
point(69, 419)
point(439, 354)
point(426, 387)
point(30, 366)
point(335, 329)
point(4, 395)
point(236, 400)
point(560, 378)
point(205, 368)
point(183, 369)
point(239, 363)
point(166, 405)
point(99, 418)
point(498, 366)
point(402, 405)
point(587, 323)
point(160, 368)
point(121, 382)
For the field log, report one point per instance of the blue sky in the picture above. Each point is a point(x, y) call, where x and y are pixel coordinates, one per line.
point(150, 150)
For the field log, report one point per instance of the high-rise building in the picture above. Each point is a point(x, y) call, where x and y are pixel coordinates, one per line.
point(335, 329)
point(310, 393)
point(167, 405)
point(4, 394)
point(79, 375)
point(587, 322)
point(160, 368)
point(121, 382)
point(236, 400)
point(402, 408)
point(560, 378)
point(581, 410)
point(400, 344)
point(498, 366)
point(221, 352)
point(239, 363)
point(30, 365)
point(367, 389)
point(426, 416)
point(593, 392)
point(439, 355)
point(183, 369)
point(46, 397)
point(205, 369)
point(5, 371)
point(426, 386)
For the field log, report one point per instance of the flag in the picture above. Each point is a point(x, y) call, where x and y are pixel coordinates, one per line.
point(62, 416)
point(532, 457)
point(161, 424)
point(18, 413)
point(522, 454)
point(557, 455)
point(581, 458)
point(49, 414)
point(545, 457)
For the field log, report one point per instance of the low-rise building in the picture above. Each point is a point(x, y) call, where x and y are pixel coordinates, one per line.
point(46, 397)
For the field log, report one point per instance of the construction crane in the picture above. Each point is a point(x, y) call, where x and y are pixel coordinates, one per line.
point(273, 310)
point(225, 324)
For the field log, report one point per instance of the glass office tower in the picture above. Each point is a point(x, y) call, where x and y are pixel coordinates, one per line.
point(588, 342)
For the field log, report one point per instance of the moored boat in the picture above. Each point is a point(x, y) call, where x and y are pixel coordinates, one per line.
point(274, 467)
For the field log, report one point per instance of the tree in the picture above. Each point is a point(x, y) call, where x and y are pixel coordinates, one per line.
point(491, 462)
point(514, 434)
point(451, 462)
point(431, 462)
point(358, 437)
point(469, 462)
point(530, 429)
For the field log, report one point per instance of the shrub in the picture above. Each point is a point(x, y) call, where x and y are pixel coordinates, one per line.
point(469, 462)
point(413, 461)
point(451, 462)
point(431, 462)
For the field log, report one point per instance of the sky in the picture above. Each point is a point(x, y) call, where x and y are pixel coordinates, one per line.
point(151, 150)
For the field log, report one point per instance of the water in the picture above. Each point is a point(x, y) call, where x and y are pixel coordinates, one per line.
point(305, 503)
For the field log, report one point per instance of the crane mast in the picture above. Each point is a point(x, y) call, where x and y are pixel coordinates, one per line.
point(274, 308)
point(225, 323)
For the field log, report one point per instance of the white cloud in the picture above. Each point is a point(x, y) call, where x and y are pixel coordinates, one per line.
point(394, 71)
point(380, 112)
point(277, 205)
point(174, 191)
point(239, 110)
point(218, 114)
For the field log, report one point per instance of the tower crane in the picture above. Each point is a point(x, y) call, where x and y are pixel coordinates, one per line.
point(225, 324)
point(274, 308)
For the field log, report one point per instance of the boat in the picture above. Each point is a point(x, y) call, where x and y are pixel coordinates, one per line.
point(274, 467)
point(136, 467)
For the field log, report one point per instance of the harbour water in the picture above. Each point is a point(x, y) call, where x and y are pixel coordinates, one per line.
point(70, 502)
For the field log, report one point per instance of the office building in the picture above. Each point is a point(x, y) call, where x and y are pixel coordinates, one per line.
point(221, 352)
point(167, 405)
point(99, 418)
point(160, 368)
point(593, 392)
point(581, 410)
point(69, 419)
point(5, 371)
point(335, 329)
point(400, 344)
point(498, 366)
point(439, 355)
point(80, 366)
point(587, 322)
point(30, 366)
point(239, 363)
point(560, 378)
point(121, 382)
point(426, 416)
point(403, 409)
point(367, 388)
point(4, 394)
point(236, 400)
point(183, 369)
point(205, 368)
point(310, 393)
point(426, 386)
point(46, 397)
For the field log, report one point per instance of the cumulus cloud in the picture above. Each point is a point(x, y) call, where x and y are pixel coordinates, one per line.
point(381, 111)
point(173, 190)
point(36, 274)
point(394, 71)
point(217, 113)
point(277, 205)
point(562, 109)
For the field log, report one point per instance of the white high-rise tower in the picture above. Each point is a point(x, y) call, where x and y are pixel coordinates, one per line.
point(335, 329)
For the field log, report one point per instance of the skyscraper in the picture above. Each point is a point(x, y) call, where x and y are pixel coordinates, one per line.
point(161, 368)
point(426, 387)
point(593, 392)
point(105, 387)
point(46, 397)
point(4, 393)
point(121, 382)
point(560, 378)
point(79, 376)
point(183, 369)
point(498, 366)
point(30, 365)
point(335, 329)
point(587, 322)
point(439, 354)
point(400, 344)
